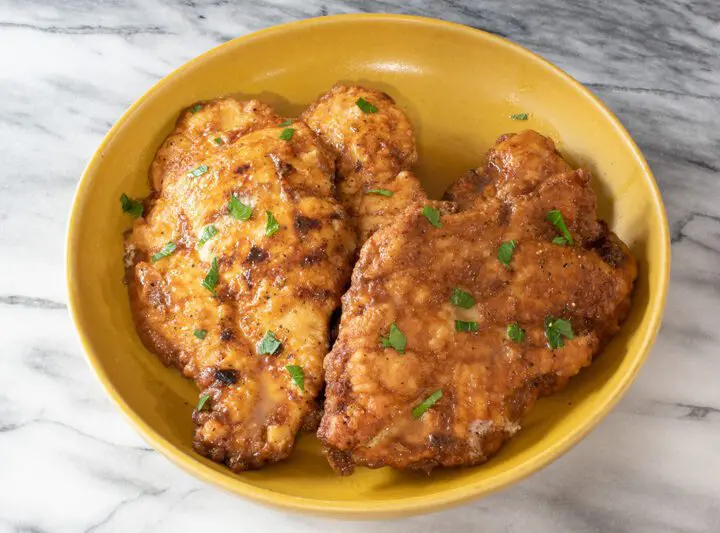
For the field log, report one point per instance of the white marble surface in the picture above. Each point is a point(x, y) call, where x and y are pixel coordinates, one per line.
point(70, 463)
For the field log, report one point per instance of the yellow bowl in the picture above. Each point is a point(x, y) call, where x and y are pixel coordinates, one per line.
point(459, 87)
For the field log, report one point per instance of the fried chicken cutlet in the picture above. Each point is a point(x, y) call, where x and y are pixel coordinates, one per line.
point(459, 317)
point(235, 269)
point(375, 144)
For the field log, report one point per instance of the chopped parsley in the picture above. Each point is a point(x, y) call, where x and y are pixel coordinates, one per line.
point(433, 215)
point(560, 241)
point(426, 404)
point(287, 134)
point(164, 252)
point(555, 330)
point(506, 251)
point(197, 107)
point(519, 116)
point(133, 207)
point(381, 192)
point(268, 345)
point(297, 375)
point(462, 325)
point(218, 140)
point(515, 333)
point(460, 298)
point(271, 226)
point(286, 123)
point(202, 401)
point(365, 106)
point(395, 339)
point(199, 171)
point(238, 210)
point(200, 333)
point(556, 219)
point(211, 279)
point(206, 233)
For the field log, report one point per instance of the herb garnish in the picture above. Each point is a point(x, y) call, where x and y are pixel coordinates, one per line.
point(396, 339)
point(460, 298)
point(199, 171)
point(164, 252)
point(365, 106)
point(206, 233)
point(211, 279)
point(433, 215)
point(271, 226)
point(426, 404)
point(556, 219)
point(515, 333)
point(133, 207)
point(462, 325)
point(297, 375)
point(202, 401)
point(238, 210)
point(506, 251)
point(287, 134)
point(555, 330)
point(268, 345)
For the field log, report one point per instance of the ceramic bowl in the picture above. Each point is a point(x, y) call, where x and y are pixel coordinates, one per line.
point(459, 87)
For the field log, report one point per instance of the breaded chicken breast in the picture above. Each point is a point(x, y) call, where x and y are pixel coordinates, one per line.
point(235, 269)
point(375, 143)
point(460, 315)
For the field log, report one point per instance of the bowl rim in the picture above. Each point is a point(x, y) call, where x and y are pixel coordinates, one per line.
point(358, 508)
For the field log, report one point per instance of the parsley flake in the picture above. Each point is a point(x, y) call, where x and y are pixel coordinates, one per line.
point(206, 233)
point(297, 375)
point(556, 219)
point(196, 172)
point(212, 277)
point(555, 330)
point(238, 210)
point(519, 116)
point(460, 298)
point(133, 207)
point(462, 325)
point(164, 252)
point(515, 333)
point(200, 333)
point(287, 134)
point(271, 226)
point(202, 401)
point(396, 339)
point(365, 106)
point(426, 404)
point(433, 215)
point(197, 107)
point(286, 123)
point(506, 251)
point(218, 140)
point(268, 345)
point(381, 192)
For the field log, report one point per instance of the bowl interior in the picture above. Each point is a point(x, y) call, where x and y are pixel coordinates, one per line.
point(459, 87)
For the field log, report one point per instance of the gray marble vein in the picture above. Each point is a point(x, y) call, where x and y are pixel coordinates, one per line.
point(69, 462)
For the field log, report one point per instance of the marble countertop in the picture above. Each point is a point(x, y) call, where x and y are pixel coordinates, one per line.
point(68, 460)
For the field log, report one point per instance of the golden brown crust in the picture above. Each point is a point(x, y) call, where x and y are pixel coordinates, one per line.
point(406, 274)
point(375, 150)
point(288, 283)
